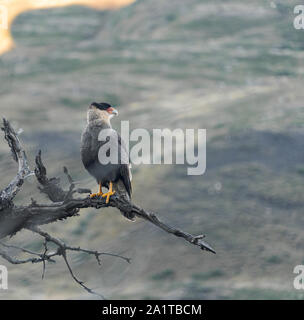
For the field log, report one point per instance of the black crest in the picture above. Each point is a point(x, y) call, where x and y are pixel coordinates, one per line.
point(101, 105)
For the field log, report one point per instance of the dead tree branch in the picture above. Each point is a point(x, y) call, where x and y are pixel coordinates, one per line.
point(63, 205)
point(8, 194)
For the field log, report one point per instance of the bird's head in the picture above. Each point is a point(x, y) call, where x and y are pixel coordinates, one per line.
point(102, 111)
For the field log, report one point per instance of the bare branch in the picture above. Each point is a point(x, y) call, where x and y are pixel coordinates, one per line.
point(195, 240)
point(44, 214)
point(77, 280)
point(63, 252)
point(51, 186)
point(12, 260)
point(43, 256)
point(8, 194)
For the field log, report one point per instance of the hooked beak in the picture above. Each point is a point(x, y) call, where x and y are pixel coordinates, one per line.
point(112, 111)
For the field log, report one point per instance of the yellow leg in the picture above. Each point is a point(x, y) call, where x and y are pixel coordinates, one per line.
point(99, 193)
point(109, 193)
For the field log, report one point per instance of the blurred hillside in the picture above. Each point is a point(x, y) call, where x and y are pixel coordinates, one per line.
point(231, 67)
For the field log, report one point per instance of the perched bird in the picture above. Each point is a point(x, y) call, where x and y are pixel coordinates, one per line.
point(100, 141)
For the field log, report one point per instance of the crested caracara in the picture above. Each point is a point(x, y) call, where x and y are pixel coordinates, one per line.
point(115, 176)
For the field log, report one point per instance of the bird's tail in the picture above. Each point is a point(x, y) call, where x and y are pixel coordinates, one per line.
point(121, 192)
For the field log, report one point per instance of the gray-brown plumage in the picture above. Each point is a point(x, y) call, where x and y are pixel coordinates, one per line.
point(100, 142)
